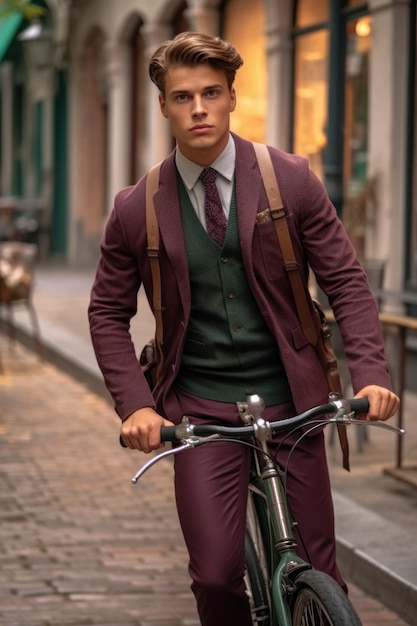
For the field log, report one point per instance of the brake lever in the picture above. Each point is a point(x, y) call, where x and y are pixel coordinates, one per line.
point(159, 457)
point(347, 418)
point(379, 424)
point(189, 442)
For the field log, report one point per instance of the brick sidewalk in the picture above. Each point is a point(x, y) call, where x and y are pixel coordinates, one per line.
point(79, 544)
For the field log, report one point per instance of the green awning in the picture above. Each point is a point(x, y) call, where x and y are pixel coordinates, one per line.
point(9, 27)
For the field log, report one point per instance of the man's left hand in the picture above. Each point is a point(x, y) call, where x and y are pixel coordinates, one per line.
point(383, 403)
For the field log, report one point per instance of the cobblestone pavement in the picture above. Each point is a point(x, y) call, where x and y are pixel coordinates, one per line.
point(79, 544)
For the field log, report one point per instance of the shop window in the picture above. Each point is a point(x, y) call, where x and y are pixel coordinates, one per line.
point(359, 188)
point(310, 97)
point(244, 27)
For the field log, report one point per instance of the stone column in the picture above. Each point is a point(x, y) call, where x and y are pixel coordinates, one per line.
point(118, 90)
point(61, 10)
point(159, 139)
point(279, 70)
point(202, 19)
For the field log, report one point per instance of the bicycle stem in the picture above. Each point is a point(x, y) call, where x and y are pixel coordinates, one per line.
point(281, 523)
point(280, 520)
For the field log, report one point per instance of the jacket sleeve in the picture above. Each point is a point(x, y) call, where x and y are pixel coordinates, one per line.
point(113, 303)
point(325, 246)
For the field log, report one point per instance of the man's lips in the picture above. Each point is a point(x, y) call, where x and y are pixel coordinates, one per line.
point(200, 128)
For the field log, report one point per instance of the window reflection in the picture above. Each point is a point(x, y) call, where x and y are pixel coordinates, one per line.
point(309, 13)
point(310, 106)
point(244, 27)
point(359, 189)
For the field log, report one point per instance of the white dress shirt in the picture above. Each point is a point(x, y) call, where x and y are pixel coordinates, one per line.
point(190, 174)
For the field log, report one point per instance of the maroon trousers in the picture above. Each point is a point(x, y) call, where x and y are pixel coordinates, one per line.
point(211, 493)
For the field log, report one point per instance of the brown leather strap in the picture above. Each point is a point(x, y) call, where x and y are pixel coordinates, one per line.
point(281, 226)
point(291, 265)
point(152, 231)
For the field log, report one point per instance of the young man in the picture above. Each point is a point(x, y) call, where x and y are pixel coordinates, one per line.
point(229, 319)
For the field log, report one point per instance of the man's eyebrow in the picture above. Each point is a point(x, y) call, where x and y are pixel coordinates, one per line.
point(206, 88)
point(177, 91)
point(215, 86)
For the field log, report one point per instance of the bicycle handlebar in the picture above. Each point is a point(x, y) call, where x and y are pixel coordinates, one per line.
point(356, 406)
point(336, 412)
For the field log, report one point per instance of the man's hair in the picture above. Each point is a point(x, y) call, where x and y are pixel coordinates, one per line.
point(192, 49)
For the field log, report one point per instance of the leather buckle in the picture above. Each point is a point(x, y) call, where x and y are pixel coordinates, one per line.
point(277, 212)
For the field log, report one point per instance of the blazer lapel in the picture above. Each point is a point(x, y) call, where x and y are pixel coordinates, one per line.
point(250, 194)
point(169, 219)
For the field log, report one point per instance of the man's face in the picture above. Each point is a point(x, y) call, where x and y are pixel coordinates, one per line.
point(197, 102)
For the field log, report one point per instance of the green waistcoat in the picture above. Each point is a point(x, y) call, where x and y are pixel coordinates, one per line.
point(228, 351)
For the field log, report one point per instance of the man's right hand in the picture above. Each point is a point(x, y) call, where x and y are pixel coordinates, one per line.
point(142, 430)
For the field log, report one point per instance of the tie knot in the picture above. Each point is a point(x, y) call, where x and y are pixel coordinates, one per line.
point(208, 175)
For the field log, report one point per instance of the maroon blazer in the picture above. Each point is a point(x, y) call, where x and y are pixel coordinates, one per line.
point(319, 241)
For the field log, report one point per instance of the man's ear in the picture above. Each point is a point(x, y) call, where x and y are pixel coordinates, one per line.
point(233, 99)
point(162, 104)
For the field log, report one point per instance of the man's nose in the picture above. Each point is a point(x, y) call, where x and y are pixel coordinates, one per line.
point(198, 106)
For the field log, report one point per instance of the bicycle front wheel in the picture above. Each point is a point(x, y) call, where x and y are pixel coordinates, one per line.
point(319, 601)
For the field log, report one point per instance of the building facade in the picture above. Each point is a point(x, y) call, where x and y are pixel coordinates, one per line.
point(333, 80)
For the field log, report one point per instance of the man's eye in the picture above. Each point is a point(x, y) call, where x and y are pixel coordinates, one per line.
point(182, 97)
point(212, 93)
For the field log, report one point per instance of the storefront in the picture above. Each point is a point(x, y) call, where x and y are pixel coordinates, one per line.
point(33, 147)
point(331, 103)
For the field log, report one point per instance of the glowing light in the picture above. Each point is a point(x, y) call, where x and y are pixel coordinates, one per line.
point(363, 27)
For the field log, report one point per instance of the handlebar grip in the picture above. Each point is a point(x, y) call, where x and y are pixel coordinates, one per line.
point(359, 405)
point(168, 433)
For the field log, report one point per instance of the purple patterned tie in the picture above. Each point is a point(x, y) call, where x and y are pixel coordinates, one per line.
point(215, 217)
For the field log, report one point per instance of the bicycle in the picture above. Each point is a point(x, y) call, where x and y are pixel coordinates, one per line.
point(283, 589)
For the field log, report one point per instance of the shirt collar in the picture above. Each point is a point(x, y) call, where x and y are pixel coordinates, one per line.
point(224, 165)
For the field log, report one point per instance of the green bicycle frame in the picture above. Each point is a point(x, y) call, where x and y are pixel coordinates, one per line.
point(284, 559)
